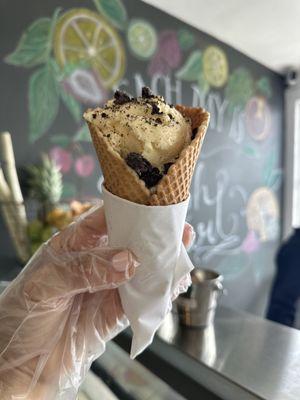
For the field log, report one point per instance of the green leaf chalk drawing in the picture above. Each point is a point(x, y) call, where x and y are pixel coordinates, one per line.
point(250, 151)
point(43, 100)
point(186, 39)
point(83, 135)
point(269, 165)
point(192, 68)
point(275, 179)
point(272, 175)
point(61, 140)
point(263, 87)
point(203, 84)
point(69, 190)
point(35, 44)
point(33, 47)
point(114, 11)
point(72, 104)
point(240, 88)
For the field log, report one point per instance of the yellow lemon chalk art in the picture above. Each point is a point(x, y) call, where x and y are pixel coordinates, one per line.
point(215, 66)
point(83, 36)
point(262, 213)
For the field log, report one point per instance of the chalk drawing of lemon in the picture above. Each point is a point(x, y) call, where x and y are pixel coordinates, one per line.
point(262, 214)
point(84, 37)
point(142, 38)
point(215, 66)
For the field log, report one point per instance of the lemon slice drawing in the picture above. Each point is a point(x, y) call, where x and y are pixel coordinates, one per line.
point(215, 66)
point(84, 37)
point(142, 38)
point(262, 214)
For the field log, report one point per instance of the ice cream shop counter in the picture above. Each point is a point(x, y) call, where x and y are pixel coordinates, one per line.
point(241, 357)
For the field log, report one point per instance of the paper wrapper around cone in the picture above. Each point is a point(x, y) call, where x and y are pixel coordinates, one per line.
point(152, 232)
point(154, 235)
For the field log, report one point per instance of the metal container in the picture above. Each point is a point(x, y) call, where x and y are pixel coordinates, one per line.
point(197, 306)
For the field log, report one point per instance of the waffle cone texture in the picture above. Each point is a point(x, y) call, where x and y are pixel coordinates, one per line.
point(173, 188)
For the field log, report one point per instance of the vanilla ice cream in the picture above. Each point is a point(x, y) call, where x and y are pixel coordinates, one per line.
point(145, 125)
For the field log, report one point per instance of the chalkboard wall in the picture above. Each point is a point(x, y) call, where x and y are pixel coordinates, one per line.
point(58, 58)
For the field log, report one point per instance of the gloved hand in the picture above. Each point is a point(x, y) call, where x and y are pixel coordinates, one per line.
point(57, 315)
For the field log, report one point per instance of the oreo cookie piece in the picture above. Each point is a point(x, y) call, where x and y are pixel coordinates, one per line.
point(137, 162)
point(144, 169)
point(151, 178)
point(155, 109)
point(121, 97)
point(194, 133)
point(147, 93)
point(167, 166)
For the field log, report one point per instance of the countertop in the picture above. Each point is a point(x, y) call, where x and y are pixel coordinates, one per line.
point(240, 357)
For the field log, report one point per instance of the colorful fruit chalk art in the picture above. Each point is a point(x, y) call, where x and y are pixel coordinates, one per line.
point(78, 56)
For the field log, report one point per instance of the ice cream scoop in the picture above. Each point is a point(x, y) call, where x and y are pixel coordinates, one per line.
point(145, 125)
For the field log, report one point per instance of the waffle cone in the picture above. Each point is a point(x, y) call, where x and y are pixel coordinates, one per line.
point(173, 188)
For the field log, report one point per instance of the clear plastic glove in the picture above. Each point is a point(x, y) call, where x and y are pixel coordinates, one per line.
point(57, 315)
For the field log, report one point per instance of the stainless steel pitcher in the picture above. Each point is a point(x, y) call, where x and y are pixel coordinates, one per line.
point(197, 306)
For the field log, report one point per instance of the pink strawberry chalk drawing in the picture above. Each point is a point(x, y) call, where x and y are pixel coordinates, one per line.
point(85, 86)
point(168, 55)
point(251, 243)
point(158, 66)
point(62, 158)
point(84, 165)
point(170, 49)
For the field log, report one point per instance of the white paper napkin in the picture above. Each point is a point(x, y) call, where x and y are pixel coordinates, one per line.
point(154, 234)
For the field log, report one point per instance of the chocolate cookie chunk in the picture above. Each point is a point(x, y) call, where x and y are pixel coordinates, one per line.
point(194, 133)
point(147, 93)
point(152, 177)
point(121, 97)
point(149, 174)
point(167, 166)
point(155, 109)
point(137, 162)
